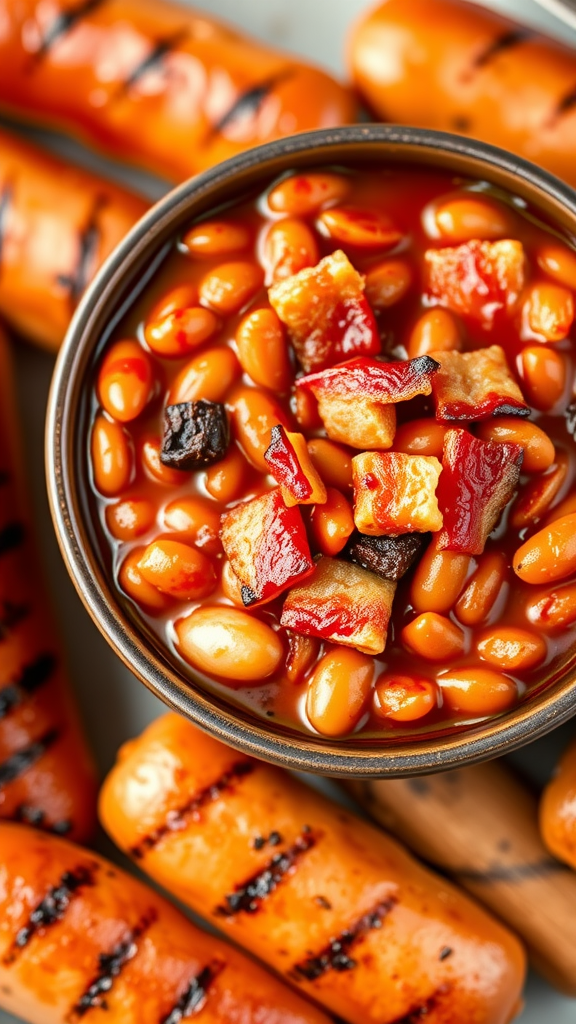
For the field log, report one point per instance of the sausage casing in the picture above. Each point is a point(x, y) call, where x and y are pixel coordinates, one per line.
point(81, 939)
point(459, 67)
point(329, 901)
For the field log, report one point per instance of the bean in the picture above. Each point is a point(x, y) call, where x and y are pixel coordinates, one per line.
point(388, 282)
point(304, 194)
point(230, 286)
point(539, 451)
point(332, 461)
point(550, 554)
point(549, 310)
point(263, 350)
point(367, 229)
point(554, 609)
point(254, 413)
point(111, 457)
point(231, 585)
point(437, 330)
point(332, 523)
point(338, 691)
point(177, 569)
point(511, 649)
point(477, 600)
point(302, 653)
point(404, 698)
point(216, 238)
point(559, 262)
point(130, 518)
point(477, 691)
point(438, 579)
point(463, 218)
point(535, 498)
point(208, 376)
point(420, 437)
point(196, 521)
point(306, 410)
point(125, 380)
point(563, 508)
point(132, 582)
point(182, 296)
point(154, 468)
point(543, 373)
point(289, 246)
point(226, 479)
point(181, 331)
point(433, 637)
point(230, 643)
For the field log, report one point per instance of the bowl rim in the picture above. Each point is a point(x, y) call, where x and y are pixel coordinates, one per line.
point(300, 751)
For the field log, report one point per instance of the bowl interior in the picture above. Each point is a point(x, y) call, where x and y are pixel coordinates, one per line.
point(125, 274)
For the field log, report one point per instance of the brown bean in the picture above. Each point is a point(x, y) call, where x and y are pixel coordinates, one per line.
point(132, 582)
point(263, 350)
point(150, 459)
point(178, 333)
point(404, 698)
point(477, 600)
point(332, 523)
point(420, 437)
point(465, 217)
point(550, 554)
point(539, 451)
point(302, 195)
point(216, 238)
point(226, 479)
point(230, 643)
point(563, 508)
point(366, 229)
point(549, 310)
point(553, 609)
point(559, 262)
point(289, 246)
point(477, 691)
point(254, 413)
point(388, 282)
point(543, 373)
point(177, 569)
point(302, 653)
point(112, 460)
point(338, 691)
point(535, 498)
point(437, 330)
point(125, 380)
point(230, 286)
point(438, 579)
point(208, 376)
point(433, 637)
point(511, 649)
point(196, 521)
point(130, 518)
point(182, 296)
point(332, 461)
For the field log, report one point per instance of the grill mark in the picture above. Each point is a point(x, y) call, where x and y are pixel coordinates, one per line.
point(248, 104)
point(178, 818)
point(110, 966)
point(52, 908)
point(6, 196)
point(501, 44)
point(10, 615)
point(77, 281)
point(248, 896)
point(33, 676)
point(336, 954)
point(36, 818)
point(514, 872)
point(419, 1013)
point(156, 57)
point(11, 537)
point(62, 24)
point(19, 763)
point(565, 105)
point(193, 999)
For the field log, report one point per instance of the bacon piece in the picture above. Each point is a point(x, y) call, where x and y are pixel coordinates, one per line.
point(396, 493)
point(291, 466)
point(472, 386)
point(477, 279)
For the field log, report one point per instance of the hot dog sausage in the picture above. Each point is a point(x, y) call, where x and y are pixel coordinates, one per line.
point(58, 224)
point(558, 810)
point(46, 777)
point(81, 939)
point(155, 83)
point(330, 902)
point(461, 68)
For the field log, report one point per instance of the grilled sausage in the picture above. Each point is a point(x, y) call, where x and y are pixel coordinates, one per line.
point(155, 83)
point(558, 810)
point(57, 226)
point(46, 777)
point(330, 902)
point(462, 68)
point(81, 939)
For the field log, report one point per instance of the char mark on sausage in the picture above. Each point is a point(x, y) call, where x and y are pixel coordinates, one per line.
point(88, 242)
point(194, 997)
point(11, 536)
point(153, 60)
point(32, 677)
point(110, 966)
point(336, 955)
point(19, 762)
point(501, 44)
point(248, 104)
point(62, 24)
point(52, 908)
point(249, 895)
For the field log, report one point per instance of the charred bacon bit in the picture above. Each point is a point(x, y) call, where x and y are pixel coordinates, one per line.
point(154, 59)
point(194, 997)
point(472, 386)
point(368, 378)
point(396, 493)
point(19, 762)
point(336, 955)
point(290, 464)
point(110, 966)
point(501, 44)
point(6, 195)
point(11, 537)
point(249, 896)
point(36, 818)
point(248, 104)
point(196, 434)
point(266, 545)
point(88, 242)
point(33, 676)
point(178, 818)
point(327, 316)
point(63, 23)
point(52, 908)
point(343, 603)
point(477, 279)
point(10, 615)
point(387, 557)
point(478, 481)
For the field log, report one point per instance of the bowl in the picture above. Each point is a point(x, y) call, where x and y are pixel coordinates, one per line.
point(551, 703)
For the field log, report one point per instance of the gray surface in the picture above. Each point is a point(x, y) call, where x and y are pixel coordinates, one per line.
point(114, 704)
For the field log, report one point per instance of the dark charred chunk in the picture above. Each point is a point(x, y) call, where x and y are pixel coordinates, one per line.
point(196, 434)
point(194, 997)
point(19, 762)
point(53, 907)
point(249, 895)
point(176, 820)
point(11, 536)
point(336, 955)
point(110, 965)
point(387, 557)
point(32, 677)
